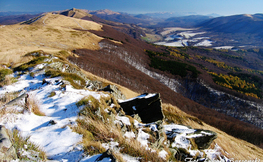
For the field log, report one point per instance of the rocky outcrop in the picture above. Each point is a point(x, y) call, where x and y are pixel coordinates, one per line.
point(184, 141)
point(7, 151)
point(202, 139)
point(114, 90)
point(147, 106)
point(19, 100)
point(94, 85)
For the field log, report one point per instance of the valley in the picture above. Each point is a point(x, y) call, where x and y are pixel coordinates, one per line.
point(198, 37)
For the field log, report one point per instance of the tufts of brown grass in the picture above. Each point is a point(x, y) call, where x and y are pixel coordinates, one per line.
point(97, 126)
point(75, 80)
point(22, 143)
point(134, 148)
point(32, 105)
point(5, 78)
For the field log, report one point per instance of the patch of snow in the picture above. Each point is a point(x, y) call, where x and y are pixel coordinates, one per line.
point(189, 34)
point(163, 154)
point(181, 142)
point(170, 127)
point(169, 38)
point(142, 138)
point(125, 120)
point(91, 158)
point(110, 145)
point(129, 135)
point(197, 39)
point(215, 153)
point(129, 158)
point(184, 42)
point(194, 135)
point(206, 133)
point(171, 44)
point(224, 47)
point(205, 43)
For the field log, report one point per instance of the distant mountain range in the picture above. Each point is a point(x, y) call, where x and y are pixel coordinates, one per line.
point(184, 21)
point(158, 19)
point(245, 23)
point(13, 19)
point(17, 13)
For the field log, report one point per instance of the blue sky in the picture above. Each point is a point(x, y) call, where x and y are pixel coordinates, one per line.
point(222, 7)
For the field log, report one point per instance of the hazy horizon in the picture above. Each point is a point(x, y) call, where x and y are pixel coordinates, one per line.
point(201, 7)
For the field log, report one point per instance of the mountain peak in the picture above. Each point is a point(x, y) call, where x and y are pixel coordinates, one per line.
point(76, 13)
point(105, 12)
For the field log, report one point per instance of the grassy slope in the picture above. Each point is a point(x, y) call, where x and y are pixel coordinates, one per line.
point(50, 33)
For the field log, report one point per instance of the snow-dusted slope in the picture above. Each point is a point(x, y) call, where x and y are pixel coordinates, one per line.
point(51, 127)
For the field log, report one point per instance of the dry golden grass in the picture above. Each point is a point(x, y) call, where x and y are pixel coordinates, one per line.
point(98, 128)
point(32, 105)
point(78, 13)
point(51, 33)
point(232, 147)
point(65, 21)
point(97, 132)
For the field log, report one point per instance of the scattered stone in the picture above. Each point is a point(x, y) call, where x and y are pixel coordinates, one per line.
point(147, 106)
point(44, 81)
point(108, 155)
point(7, 151)
point(52, 122)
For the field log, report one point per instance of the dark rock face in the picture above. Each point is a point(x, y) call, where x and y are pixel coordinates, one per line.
point(147, 106)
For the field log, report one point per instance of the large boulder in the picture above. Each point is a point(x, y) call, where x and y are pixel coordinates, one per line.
point(7, 151)
point(147, 106)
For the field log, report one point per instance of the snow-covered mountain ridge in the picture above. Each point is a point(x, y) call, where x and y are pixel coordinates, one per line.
point(57, 127)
